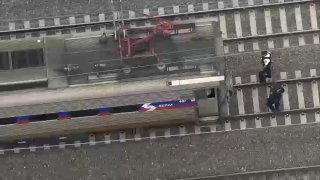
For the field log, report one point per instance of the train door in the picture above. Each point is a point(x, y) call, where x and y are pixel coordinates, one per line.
point(207, 103)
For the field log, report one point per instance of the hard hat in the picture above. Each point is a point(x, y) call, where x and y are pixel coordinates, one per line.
point(268, 55)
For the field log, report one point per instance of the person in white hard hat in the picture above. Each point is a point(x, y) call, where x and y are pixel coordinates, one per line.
point(266, 64)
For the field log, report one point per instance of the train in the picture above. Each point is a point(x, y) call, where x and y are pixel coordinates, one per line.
point(165, 47)
point(180, 104)
point(127, 78)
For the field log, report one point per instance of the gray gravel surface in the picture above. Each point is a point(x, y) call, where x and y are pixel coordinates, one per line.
point(198, 155)
point(29, 9)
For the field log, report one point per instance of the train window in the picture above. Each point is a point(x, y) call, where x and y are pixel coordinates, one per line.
point(199, 16)
point(5, 37)
point(65, 31)
point(43, 117)
point(29, 58)
point(35, 34)
point(80, 30)
point(35, 58)
point(123, 109)
point(50, 33)
point(6, 121)
point(20, 36)
point(184, 18)
point(140, 23)
point(184, 28)
point(95, 28)
point(19, 59)
point(4, 61)
point(211, 93)
point(84, 113)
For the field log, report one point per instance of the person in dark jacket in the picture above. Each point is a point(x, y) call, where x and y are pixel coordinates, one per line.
point(273, 101)
point(103, 39)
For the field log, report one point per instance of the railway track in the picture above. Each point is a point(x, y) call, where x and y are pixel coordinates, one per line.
point(297, 173)
point(46, 23)
point(269, 28)
point(301, 94)
point(244, 27)
point(300, 106)
point(245, 113)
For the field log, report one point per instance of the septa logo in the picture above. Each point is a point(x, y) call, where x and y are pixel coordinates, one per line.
point(147, 107)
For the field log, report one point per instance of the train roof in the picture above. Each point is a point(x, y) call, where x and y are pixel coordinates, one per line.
point(88, 97)
point(21, 44)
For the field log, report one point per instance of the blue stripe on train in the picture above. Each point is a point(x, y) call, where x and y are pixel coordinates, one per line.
point(164, 105)
point(63, 115)
point(104, 111)
point(23, 119)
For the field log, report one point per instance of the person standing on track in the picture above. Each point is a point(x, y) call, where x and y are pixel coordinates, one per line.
point(273, 101)
point(266, 64)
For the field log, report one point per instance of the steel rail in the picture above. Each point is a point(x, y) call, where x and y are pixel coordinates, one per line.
point(110, 141)
point(271, 35)
point(255, 172)
point(286, 112)
point(227, 6)
point(281, 81)
point(79, 25)
point(267, 114)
